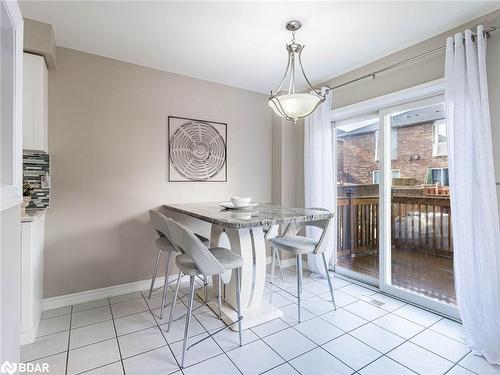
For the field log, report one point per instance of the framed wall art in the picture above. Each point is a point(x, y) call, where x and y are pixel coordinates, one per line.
point(197, 150)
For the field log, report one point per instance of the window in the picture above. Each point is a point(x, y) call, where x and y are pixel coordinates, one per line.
point(438, 176)
point(439, 138)
point(394, 144)
point(376, 175)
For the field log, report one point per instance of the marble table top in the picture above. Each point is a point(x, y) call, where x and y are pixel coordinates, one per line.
point(260, 215)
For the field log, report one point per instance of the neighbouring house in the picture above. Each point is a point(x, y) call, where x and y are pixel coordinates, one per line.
point(418, 149)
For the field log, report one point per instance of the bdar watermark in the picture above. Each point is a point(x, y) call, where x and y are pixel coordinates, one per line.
point(10, 368)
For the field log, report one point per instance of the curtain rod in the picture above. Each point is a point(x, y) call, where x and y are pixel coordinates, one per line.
point(407, 61)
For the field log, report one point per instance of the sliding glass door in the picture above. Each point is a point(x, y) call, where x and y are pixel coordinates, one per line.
point(358, 174)
point(393, 204)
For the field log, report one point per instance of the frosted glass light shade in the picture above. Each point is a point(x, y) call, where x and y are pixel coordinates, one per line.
point(294, 106)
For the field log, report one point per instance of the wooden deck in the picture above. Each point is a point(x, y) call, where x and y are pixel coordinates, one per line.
point(422, 254)
point(421, 273)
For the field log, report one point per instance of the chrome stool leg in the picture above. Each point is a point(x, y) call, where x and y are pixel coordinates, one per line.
point(278, 260)
point(329, 281)
point(174, 301)
point(299, 287)
point(238, 301)
point(219, 295)
point(273, 257)
point(155, 271)
point(301, 279)
point(205, 285)
point(188, 319)
point(165, 285)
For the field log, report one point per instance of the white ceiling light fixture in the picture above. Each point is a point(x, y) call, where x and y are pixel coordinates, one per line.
point(289, 104)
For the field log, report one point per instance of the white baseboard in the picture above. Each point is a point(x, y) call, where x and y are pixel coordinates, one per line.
point(95, 294)
point(116, 290)
point(27, 337)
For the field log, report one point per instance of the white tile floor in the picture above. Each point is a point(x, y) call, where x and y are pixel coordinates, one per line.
point(124, 335)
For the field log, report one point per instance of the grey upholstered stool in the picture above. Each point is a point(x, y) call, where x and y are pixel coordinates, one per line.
point(195, 260)
point(164, 245)
point(300, 245)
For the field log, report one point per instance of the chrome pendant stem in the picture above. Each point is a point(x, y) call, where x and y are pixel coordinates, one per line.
point(296, 107)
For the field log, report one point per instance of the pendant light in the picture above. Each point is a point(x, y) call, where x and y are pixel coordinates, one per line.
point(289, 104)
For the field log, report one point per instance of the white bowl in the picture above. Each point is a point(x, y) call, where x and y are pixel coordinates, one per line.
point(241, 202)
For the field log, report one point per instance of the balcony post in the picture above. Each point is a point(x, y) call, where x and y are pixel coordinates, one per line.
point(350, 214)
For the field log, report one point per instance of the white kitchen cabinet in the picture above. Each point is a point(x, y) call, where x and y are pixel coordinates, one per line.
point(31, 274)
point(35, 105)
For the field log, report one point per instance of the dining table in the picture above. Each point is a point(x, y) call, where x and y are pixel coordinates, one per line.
point(246, 230)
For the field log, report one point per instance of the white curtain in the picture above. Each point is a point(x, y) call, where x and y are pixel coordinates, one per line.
point(318, 172)
point(475, 225)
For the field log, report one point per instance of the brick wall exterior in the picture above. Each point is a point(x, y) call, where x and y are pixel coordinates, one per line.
point(356, 155)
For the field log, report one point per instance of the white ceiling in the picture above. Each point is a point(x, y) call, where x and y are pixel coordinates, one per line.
point(242, 43)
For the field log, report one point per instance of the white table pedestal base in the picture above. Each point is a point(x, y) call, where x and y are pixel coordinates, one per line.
point(251, 317)
point(250, 244)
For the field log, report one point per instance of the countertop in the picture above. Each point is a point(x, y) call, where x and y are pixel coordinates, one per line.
point(263, 214)
point(32, 215)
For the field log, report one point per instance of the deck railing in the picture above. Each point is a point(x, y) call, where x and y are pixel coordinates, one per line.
point(418, 223)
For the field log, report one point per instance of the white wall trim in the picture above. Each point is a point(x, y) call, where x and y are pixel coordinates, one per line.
point(10, 197)
point(116, 290)
point(424, 90)
point(95, 294)
point(12, 194)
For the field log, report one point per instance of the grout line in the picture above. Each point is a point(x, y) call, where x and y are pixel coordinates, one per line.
point(405, 340)
point(96, 368)
point(116, 336)
point(45, 356)
point(161, 331)
point(279, 355)
point(391, 359)
point(145, 351)
point(51, 334)
point(291, 359)
point(87, 309)
point(442, 334)
point(69, 340)
point(220, 347)
point(272, 333)
point(468, 369)
point(88, 325)
point(275, 367)
point(367, 322)
point(279, 289)
point(53, 317)
point(215, 341)
point(315, 347)
point(92, 343)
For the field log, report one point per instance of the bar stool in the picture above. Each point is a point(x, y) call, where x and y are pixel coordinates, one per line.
point(300, 245)
point(164, 245)
point(269, 233)
point(196, 260)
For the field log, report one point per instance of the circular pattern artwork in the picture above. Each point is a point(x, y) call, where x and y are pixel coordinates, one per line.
point(197, 150)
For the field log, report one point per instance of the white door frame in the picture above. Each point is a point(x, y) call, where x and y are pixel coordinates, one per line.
point(385, 245)
point(11, 191)
point(424, 93)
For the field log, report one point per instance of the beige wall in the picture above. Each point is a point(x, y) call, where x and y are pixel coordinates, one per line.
point(39, 40)
point(425, 70)
point(107, 137)
point(10, 265)
point(288, 170)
